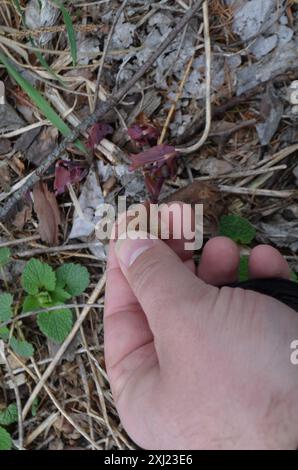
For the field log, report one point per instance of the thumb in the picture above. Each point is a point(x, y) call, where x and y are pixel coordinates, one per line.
point(168, 292)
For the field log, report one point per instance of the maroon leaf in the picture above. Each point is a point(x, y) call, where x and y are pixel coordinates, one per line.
point(143, 134)
point(154, 184)
point(67, 173)
point(157, 155)
point(97, 133)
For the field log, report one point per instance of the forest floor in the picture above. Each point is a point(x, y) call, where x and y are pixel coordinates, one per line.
point(222, 97)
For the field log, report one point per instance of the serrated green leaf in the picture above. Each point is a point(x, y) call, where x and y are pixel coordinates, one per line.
point(237, 228)
point(38, 276)
point(9, 415)
point(4, 333)
point(5, 439)
point(59, 296)
point(73, 277)
point(56, 325)
point(243, 272)
point(5, 307)
point(30, 304)
point(5, 254)
point(21, 348)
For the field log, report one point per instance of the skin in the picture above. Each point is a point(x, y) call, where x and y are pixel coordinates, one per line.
point(192, 366)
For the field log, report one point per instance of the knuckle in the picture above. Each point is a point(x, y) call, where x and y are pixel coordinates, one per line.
point(145, 271)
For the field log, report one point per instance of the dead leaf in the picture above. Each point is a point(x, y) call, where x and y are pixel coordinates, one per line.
point(42, 146)
point(25, 140)
point(206, 194)
point(67, 173)
point(4, 176)
point(97, 132)
point(158, 155)
point(5, 146)
point(47, 210)
point(22, 216)
point(143, 135)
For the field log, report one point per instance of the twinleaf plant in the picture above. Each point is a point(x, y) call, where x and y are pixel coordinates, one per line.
point(44, 288)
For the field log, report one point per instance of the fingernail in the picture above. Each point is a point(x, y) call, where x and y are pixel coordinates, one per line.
point(133, 246)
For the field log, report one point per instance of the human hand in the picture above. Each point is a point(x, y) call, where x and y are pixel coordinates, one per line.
point(192, 366)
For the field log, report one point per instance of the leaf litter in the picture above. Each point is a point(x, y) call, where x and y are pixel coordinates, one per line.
point(250, 149)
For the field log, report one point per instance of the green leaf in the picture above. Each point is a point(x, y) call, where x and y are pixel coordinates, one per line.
point(243, 272)
point(44, 299)
point(21, 348)
point(30, 304)
point(59, 296)
point(42, 104)
point(34, 407)
point(5, 439)
point(5, 307)
point(56, 325)
point(37, 276)
point(237, 228)
point(73, 277)
point(4, 333)
point(294, 276)
point(5, 255)
point(70, 31)
point(9, 415)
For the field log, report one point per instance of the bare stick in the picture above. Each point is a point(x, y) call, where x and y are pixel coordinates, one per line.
point(102, 109)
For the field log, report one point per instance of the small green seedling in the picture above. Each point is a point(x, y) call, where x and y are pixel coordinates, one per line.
point(241, 231)
point(7, 417)
point(44, 288)
point(5, 255)
point(237, 228)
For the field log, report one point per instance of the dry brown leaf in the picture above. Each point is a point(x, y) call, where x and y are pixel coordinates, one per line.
point(207, 194)
point(42, 145)
point(22, 216)
point(47, 210)
point(4, 177)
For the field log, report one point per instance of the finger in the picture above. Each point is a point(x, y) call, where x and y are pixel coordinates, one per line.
point(219, 261)
point(128, 337)
point(180, 220)
point(127, 333)
point(266, 261)
point(161, 283)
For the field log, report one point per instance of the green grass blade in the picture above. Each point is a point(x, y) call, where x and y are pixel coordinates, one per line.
point(39, 101)
point(70, 31)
